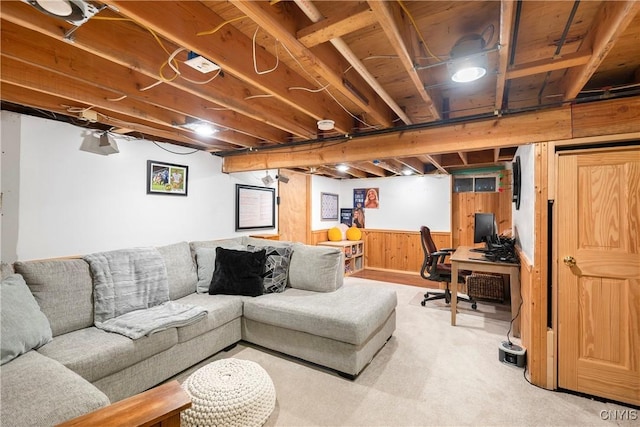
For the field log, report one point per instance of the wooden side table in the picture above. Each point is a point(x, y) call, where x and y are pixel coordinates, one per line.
point(160, 406)
point(352, 254)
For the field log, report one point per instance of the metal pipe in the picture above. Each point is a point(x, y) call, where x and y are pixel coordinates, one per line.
point(314, 14)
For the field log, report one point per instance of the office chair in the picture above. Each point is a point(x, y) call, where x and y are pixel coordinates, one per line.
point(435, 269)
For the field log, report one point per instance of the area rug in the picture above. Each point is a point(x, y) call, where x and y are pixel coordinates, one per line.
point(488, 310)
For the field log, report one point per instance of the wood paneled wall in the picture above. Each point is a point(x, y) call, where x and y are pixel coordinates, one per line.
point(392, 250)
point(465, 205)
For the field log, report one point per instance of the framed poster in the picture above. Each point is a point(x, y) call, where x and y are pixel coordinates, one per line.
point(255, 207)
point(359, 195)
point(346, 216)
point(167, 178)
point(328, 207)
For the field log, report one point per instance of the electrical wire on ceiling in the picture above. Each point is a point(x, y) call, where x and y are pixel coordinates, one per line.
point(255, 61)
point(415, 26)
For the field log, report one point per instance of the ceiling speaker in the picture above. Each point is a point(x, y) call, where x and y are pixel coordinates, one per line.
point(103, 144)
point(75, 12)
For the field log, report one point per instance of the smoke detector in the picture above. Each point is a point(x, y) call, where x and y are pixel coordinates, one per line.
point(326, 124)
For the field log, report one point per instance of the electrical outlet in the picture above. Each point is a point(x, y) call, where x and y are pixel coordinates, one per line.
point(202, 64)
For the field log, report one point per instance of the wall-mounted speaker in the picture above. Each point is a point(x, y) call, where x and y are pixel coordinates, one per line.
point(103, 144)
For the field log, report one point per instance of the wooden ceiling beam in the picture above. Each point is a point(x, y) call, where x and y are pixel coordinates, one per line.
point(613, 19)
point(545, 65)
point(356, 172)
point(507, 13)
point(391, 165)
point(524, 128)
point(60, 57)
point(390, 19)
point(347, 20)
point(369, 168)
point(231, 48)
point(463, 157)
point(26, 75)
point(53, 104)
point(146, 59)
point(435, 163)
point(265, 16)
point(412, 163)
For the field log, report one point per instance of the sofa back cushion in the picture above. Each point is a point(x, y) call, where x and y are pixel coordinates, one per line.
point(316, 268)
point(24, 327)
point(181, 269)
point(63, 290)
point(204, 252)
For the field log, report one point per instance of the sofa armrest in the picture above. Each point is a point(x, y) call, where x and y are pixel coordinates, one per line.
point(159, 406)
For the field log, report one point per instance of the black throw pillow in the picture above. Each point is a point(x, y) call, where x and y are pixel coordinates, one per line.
point(238, 272)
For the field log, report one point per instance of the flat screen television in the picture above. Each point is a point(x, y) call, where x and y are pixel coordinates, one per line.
point(485, 229)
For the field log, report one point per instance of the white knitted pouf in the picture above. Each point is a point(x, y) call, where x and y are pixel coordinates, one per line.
point(229, 392)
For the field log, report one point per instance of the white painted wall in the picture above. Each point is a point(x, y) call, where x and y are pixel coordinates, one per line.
point(406, 202)
point(73, 202)
point(524, 218)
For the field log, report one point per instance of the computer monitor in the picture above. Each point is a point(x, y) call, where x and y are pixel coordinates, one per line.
point(485, 229)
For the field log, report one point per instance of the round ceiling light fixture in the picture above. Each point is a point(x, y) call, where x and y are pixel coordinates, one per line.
point(468, 59)
point(326, 124)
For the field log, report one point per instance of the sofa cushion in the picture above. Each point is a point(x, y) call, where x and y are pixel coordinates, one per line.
point(238, 272)
point(93, 353)
point(181, 270)
point(24, 327)
point(206, 262)
point(276, 267)
point(351, 314)
point(58, 285)
point(221, 309)
point(38, 391)
point(316, 268)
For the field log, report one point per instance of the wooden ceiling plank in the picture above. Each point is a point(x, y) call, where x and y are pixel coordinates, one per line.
point(545, 65)
point(24, 75)
point(463, 157)
point(390, 166)
point(369, 168)
point(385, 17)
point(345, 21)
point(61, 57)
point(232, 49)
point(438, 166)
point(517, 129)
point(146, 59)
point(53, 104)
point(507, 13)
point(608, 27)
point(264, 15)
point(496, 155)
point(412, 163)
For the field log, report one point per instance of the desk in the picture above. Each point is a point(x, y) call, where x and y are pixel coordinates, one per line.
point(464, 259)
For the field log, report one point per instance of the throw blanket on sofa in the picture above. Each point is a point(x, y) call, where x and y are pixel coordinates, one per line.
point(131, 280)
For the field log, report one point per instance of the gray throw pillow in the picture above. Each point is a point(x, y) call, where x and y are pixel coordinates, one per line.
point(276, 268)
point(24, 327)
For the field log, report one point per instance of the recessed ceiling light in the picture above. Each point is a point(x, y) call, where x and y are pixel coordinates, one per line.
point(342, 168)
point(468, 60)
point(407, 172)
point(200, 127)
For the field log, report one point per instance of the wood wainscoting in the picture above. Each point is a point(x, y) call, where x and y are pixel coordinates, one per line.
point(392, 250)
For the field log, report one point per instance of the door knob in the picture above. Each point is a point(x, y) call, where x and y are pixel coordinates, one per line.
point(570, 261)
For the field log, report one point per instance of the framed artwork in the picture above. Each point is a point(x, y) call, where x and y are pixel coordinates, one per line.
point(328, 207)
point(167, 178)
point(255, 207)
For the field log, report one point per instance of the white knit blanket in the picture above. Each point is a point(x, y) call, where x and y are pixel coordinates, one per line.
point(131, 293)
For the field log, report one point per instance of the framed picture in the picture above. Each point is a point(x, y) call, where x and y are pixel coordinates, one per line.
point(255, 207)
point(328, 207)
point(167, 178)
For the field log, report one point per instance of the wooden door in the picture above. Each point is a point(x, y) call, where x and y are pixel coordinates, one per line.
point(293, 217)
point(599, 295)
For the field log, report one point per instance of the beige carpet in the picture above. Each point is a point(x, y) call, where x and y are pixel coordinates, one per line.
point(429, 373)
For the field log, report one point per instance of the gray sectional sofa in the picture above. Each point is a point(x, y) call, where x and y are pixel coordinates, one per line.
point(316, 318)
